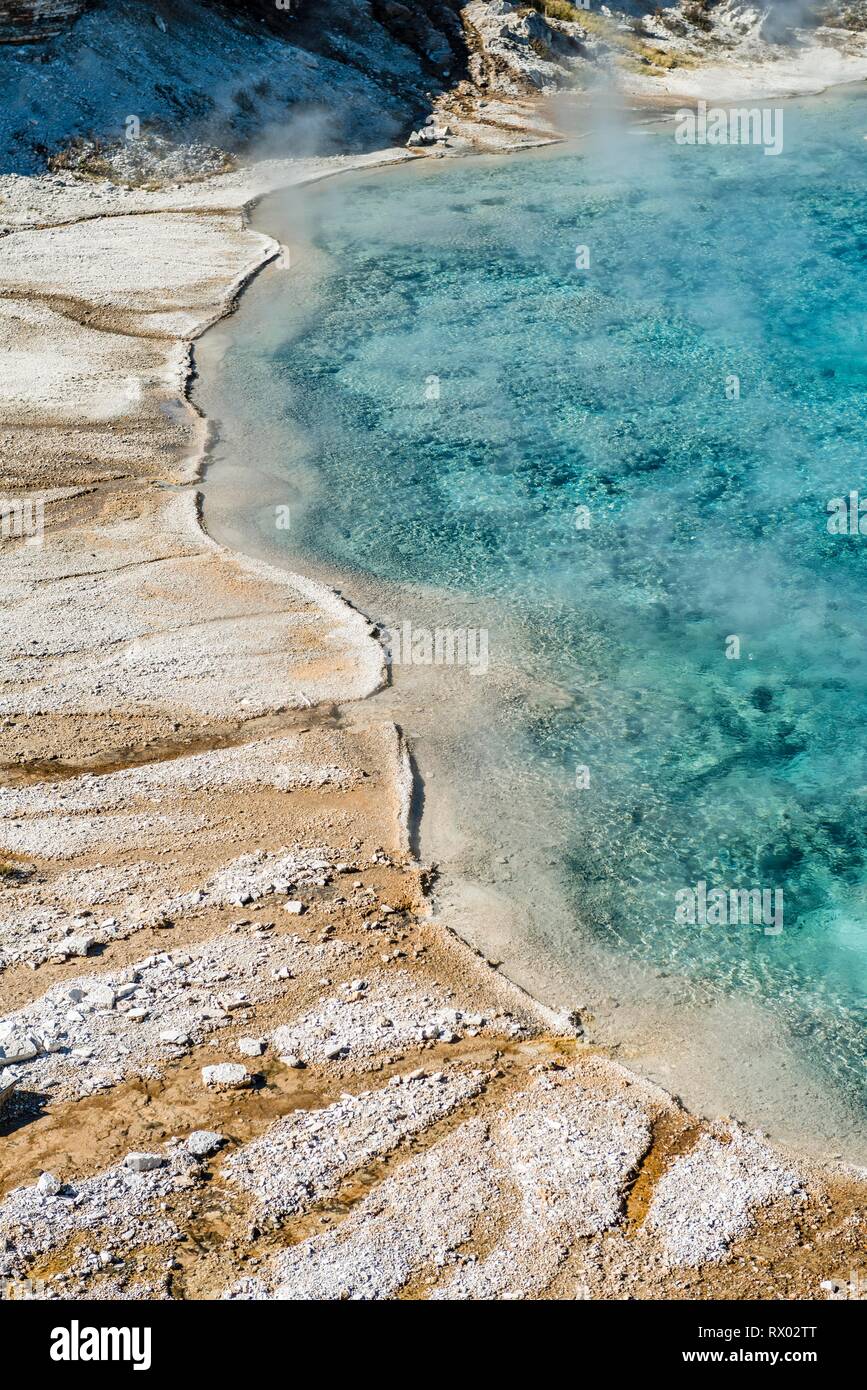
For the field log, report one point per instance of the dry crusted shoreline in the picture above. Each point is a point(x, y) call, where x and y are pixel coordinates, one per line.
point(203, 867)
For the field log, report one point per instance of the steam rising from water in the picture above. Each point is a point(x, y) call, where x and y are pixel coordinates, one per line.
point(606, 389)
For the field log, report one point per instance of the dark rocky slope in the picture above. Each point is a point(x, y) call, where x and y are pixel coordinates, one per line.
point(323, 76)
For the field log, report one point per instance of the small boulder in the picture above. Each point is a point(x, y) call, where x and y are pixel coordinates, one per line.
point(18, 1047)
point(229, 1076)
point(203, 1142)
point(144, 1163)
point(79, 945)
point(100, 997)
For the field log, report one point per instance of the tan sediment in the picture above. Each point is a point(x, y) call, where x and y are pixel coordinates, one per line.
point(140, 657)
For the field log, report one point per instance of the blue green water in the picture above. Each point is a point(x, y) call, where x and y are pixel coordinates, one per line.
point(606, 388)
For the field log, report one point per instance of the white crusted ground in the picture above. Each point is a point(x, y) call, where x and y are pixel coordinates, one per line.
point(552, 1166)
point(362, 1019)
point(304, 1157)
point(709, 1196)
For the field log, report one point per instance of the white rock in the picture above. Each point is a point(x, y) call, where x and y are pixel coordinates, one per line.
point(230, 1075)
point(79, 945)
point(143, 1163)
point(293, 906)
point(48, 1184)
point(233, 1001)
point(18, 1049)
point(100, 997)
point(203, 1142)
point(251, 1047)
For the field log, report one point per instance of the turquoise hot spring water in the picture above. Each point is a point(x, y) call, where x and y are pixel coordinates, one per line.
point(619, 463)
